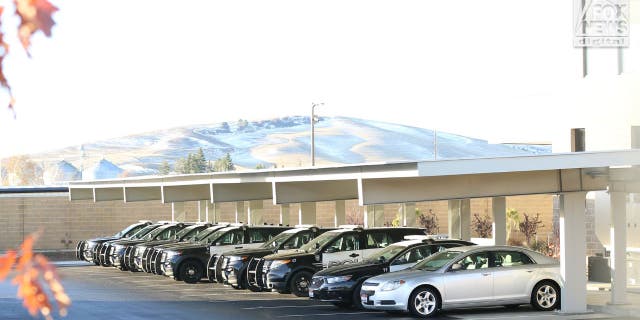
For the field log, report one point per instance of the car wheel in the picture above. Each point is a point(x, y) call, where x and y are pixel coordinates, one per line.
point(190, 272)
point(546, 296)
point(300, 284)
point(424, 302)
point(355, 296)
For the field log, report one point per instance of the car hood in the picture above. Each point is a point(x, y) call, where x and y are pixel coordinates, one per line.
point(185, 246)
point(406, 275)
point(348, 268)
point(128, 242)
point(158, 242)
point(254, 252)
point(288, 255)
point(103, 239)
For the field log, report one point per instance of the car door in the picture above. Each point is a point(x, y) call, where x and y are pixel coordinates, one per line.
point(344, 249)
point(472, 284)
point(512, 274)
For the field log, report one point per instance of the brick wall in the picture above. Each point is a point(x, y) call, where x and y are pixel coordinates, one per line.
point(65, 222)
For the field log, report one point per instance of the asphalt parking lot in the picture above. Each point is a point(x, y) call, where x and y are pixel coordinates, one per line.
point(107, 293)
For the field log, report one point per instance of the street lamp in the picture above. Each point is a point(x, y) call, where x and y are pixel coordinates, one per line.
point(313, 122)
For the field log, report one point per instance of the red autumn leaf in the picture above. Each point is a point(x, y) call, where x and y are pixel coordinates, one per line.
point(34, 15)
point(6, 263)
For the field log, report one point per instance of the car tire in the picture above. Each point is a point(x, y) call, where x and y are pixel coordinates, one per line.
point(424, 302)
point(546, 296)
point(190, 272)
point(300, 284)
point(355, 296)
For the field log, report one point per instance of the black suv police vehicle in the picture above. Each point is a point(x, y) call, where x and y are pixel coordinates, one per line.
point(119, 252)
point(231, 268)
point(187, 262)
point(142, 253)
point(291, 272)
point(88, 250)
point(341, 284)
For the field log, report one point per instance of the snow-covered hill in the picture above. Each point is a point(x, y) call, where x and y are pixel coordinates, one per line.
point(283, 142)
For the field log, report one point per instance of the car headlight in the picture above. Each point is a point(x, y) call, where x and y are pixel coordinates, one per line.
point(392, 285)
point(278, 263)
point(331, 280)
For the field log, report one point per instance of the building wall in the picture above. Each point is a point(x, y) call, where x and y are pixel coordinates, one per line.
point(64, 223)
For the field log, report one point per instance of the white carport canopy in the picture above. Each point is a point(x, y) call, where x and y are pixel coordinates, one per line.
point(569, 175)
point(381, 183)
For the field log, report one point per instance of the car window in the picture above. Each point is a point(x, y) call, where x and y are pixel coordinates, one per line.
point(232, 237)
point(412, 256)
point(298, 240)
point(346, 242)
point(478, 260)
point(378, 239)
point(257, 236)
point(510, 259)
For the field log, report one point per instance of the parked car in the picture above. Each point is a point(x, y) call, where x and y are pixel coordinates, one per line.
point(155, 263)
point(292, 271)
point(187, 262)
point(231, 267)
point(103, 249)
point(120, 252)
point(468, 277)
point(340, 285)
point(142, 253)
point(87, 250)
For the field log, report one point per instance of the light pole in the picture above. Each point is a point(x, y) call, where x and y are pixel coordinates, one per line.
point(313, 122)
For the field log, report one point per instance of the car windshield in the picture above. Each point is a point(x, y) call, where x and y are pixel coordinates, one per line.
point(185, 232)
point(319, 241)
point(151, 235)
point(202, 234)
point(129, 231)
point(386, 254)
point(212, 237)
point(436, 261)
point(276, 241)
point(143, 232)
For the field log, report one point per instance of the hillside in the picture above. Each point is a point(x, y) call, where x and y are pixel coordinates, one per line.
point(283, 142)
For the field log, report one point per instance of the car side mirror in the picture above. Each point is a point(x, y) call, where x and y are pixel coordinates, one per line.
point(456, 267)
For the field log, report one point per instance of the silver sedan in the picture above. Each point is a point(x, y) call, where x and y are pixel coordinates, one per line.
point(468, 277)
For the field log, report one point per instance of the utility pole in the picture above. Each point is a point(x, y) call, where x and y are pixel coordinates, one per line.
point(313, 123)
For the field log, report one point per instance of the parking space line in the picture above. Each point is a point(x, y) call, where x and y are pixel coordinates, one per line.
point(279, 307)
point(327, 314)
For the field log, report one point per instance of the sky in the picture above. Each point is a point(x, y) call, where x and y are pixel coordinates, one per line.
point(501, 70)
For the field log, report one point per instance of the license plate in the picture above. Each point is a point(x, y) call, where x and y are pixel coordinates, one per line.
point(310, 294)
